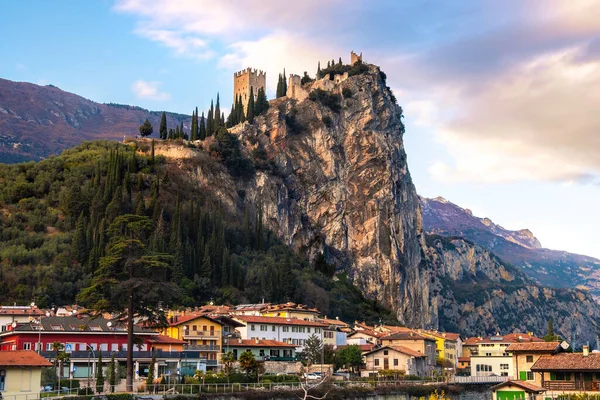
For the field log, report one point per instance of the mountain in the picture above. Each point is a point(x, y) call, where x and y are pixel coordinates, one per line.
point(548, 267)
point(312, 202)
point(39, 121)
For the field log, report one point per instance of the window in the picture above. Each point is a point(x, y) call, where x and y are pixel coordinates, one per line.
point(48, 346)
point(395, 362)
point(104, 346)
point(252, 327)
point(261, 352)
point(57, 327)
point(308, 330)
point(114, 347)
point(94, 346)
point(294, 329)
point(483, 368)
point(503, 366)
point(273, 328)
point(26, 346)
point(82, 347)
point(263, 328)
point(95, 328)
point(285, 328)
point(377, 362)
point(385, 352)
point(503, 373)
point(529, 359)
point(530, 376)
point(317, 330)
point(194, 327)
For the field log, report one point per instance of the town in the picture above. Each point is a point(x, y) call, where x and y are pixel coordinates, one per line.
point(211, 339)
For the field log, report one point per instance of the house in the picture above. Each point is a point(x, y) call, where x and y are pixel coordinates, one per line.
point(21, 373)
point(18, 314)
point(568, 372)
point(165, 343)
point(290, 310)
point(335, 334)
point(469, 346)
point(414, 341)
point(368, 335)
point(288, 330)
point(464, 365)
point(524, 355)
point(448, 345)
point(492, 356)
point(200, 332)
point(263, 350)
point(516, 390)
point(395, 358)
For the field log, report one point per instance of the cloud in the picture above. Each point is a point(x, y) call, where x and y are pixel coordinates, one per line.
point(149, 91)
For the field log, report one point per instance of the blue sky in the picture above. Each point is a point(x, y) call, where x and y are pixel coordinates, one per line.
point(500, 97)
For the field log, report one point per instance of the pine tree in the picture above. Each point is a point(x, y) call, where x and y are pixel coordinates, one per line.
point(210, 120)
point(262, 104)
point(202, 128)
point(284, 84)
point(146, 128)
point(163, 126)
point(279, 87)
point(193, 133)
point(99, 374)
point(250, 109)
point(340, 61)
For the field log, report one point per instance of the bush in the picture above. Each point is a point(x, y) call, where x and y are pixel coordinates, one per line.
point(323, 97)
point(292, 124)
point(347, 93)
point(327, 121)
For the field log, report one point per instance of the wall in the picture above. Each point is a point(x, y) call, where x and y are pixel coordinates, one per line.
point(406, 363)
point(426, 347)
point(244, 80)
point(501, 366)
point(282, 333)
point(520, 364)
point(22, 380)
point(112, 341)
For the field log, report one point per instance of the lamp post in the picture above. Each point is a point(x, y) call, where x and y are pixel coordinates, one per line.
point(88, 368)
point(38, 322)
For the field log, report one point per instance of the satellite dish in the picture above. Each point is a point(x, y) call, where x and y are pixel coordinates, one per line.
point(109, 324)
point(564, 345)
point(14, 324)
point(47, 313)
point(32, 304)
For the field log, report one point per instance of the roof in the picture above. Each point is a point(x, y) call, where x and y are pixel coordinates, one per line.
point(407, 335)
point(24, 310)
point(472, 341)
point(511, 338)
point(401, 349)
point(330, 321)
point(256, 343)
point(181, 319)
point(290, 307)
point(568, 362)
point(253, 319)
point(464, 359)
point(76, 324)
point(368, 332)
point(528, 387)
point(443, 335)
point(22, 358)
point(163, 339)
point(534, 346)
point(228, 321)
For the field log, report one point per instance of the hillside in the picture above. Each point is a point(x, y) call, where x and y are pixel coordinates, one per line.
point(313, 203)
point(39, 121)
point(549, 267)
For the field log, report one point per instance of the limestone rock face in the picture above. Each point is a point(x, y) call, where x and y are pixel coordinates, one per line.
point(340, 186)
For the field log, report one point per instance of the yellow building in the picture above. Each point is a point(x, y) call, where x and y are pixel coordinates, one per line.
point(200, 332)
point(447, 345)
point(290, 310)
point(21, 373)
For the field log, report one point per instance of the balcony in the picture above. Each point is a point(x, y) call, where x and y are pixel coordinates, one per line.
point(188, 354)
point(201, 347)
point(588, 386)
point(213, 335)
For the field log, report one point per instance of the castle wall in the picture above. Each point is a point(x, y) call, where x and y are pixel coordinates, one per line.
point(246, 79)
point(295, 89)
point(354, 58)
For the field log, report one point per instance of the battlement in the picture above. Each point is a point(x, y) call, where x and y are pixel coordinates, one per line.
point(249, 71)
point(354, 58)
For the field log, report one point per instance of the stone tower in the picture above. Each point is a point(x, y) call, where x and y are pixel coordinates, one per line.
point(354, 58)
point(244, 80)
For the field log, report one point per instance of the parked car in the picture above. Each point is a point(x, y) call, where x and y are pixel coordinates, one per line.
point(312, 376)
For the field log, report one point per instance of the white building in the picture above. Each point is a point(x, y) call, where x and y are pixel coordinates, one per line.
point(19, 314)
point(288, 330)
point(492, 356)
point(492, 365)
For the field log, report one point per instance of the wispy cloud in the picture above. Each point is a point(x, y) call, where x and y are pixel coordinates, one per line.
point(149, 91)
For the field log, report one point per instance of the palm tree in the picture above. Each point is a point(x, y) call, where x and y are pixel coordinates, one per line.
point(57, 348)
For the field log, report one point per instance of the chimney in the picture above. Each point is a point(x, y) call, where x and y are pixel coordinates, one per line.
point(240, 341)
point(586, 351)
point(256, 341)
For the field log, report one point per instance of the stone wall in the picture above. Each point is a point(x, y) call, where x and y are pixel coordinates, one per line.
point(246, 79)
point(295, 89)
point(354, 58)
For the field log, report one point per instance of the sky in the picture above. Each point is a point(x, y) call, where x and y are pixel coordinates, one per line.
point(501, 97)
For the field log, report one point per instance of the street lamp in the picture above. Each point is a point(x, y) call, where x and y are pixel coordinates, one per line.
point(38, 322)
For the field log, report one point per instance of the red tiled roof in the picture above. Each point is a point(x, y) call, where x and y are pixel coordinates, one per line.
point(178, 320)
point(22, 358)
point(401, 349)
point(256, 343)
point(511, 338)
point(472, 341)
point(464, 359)
point(277, 321)
point(408, 335)
point(529, 387)
point(533, 346)
point(568, 362)
point(329, 321)
point(163, 339)
point(369, 332)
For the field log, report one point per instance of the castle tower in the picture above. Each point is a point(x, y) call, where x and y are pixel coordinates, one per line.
point(354, 58)
point(244, 80)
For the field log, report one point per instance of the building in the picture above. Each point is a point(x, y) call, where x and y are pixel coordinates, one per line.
point(18, 314)
point(21, 373)
point(245, 80)
point(464, 366)
point(200, 332)
point(448, 345)
point(368, 335)
point(511, 390)
point(414, 341)
point(469, 346)
point(492, 357)
point(290, 310)
point(288, 330)
point(354, 58)
point(395, 358)
point(524, 355)
point(263, 350)
point(336, 332)
point(568, 372)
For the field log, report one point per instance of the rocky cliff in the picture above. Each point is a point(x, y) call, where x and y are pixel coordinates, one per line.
point(549, 267)
point(341, 187)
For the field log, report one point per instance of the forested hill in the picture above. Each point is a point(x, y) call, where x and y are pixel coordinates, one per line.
point(39, 121)
point(55, 214)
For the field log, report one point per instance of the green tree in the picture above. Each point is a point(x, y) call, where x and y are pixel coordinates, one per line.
point(131, 281)
point(146, 128)
point(162, 131)
point(217, 116)
point(99, 374)
point(262, 104)
point(350, 356)
point(550, 335)
point(210, 128)
point(112, 374)
point(150, 377)
point(250, 108)
point(250, 364)
point(313, 350)
point(202, 128)
point(194, 128)
point(79, 249)
point(228, 359)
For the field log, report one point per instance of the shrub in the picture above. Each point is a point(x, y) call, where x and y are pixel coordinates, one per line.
point(347, 93)
point(293, 125)
point(327, 121)
point(323, 97)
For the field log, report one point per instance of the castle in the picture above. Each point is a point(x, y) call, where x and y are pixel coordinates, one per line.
point(244, 80)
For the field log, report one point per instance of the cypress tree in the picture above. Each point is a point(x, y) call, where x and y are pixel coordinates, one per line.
point(222, 119)
point(112, 374)
point(177, 134)
point(99, 374)
point(279, 87)
point(193, 128)
point(340, 62)
point(150, 377)
point(284, 84)
point(217, 115)
point(79, 245)
point(206, 268)
point(250, 111)
point(163, 126)
point(319, 70)
point(181, 132)
point(231, 118)
point(262, 104)
point(202, 128)
point(210, 120)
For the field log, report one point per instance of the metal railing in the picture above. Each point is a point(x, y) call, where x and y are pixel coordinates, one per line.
point(201, 347)
point(479, 379)
point(203, 334)
point(589, 386)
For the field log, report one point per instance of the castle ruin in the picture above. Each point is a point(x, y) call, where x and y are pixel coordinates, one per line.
point(244, 80)
point(354, 58)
